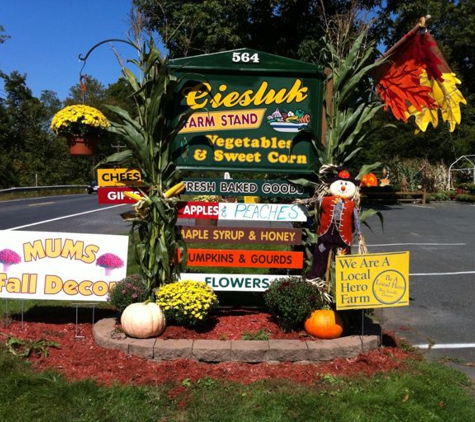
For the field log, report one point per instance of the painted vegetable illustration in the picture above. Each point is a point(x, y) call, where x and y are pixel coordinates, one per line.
point(9, 257)
point(109, 261)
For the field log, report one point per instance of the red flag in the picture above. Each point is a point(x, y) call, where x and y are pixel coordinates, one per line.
point(415, 80)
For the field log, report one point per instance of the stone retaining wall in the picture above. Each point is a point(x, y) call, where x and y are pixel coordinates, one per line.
point(251, 351)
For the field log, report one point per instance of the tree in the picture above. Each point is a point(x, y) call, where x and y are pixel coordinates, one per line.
point(29, 153)
point(3, 37)
point(282, 27)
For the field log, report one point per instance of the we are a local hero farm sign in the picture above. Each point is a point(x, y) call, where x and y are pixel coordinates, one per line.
point(372, 280)
point(60, 266)
point(253, 111)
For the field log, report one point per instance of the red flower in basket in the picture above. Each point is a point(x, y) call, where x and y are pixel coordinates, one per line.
point(109, 261)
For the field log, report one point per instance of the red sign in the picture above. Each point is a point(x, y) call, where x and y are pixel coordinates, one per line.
point(115, 195)
point(195, 209)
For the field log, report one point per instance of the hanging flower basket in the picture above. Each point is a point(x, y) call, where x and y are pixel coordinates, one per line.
point(79, 145)
point(82, 126)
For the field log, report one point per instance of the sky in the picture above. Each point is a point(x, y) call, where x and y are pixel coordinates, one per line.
point(47, 37)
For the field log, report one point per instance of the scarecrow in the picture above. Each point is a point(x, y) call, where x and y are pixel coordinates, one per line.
point(338, 218)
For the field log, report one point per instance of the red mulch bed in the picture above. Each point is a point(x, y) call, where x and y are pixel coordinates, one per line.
point(79, 357)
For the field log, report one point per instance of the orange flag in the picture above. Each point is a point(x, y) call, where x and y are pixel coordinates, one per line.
point(415, 80)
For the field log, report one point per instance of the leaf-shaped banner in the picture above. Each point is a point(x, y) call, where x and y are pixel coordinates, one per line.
point(401, 87)
point(416, 81)
point(449, 98)
point(420, 48)
point(424, 117)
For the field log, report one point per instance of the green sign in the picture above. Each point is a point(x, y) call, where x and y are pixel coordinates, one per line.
point(240, 187)
point(253, 111)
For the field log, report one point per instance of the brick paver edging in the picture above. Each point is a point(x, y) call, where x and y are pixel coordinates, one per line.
point(251, 351)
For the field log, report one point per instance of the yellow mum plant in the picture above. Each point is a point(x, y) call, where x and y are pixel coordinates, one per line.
point(187, 302)
point(79, 120)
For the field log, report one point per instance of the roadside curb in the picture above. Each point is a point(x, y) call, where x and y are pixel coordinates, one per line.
point(250, 351)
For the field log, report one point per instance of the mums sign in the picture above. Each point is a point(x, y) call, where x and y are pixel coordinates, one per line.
point(252, 112)
point(60, 266)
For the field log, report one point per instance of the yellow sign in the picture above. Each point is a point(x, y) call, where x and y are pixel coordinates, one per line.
point(224, 120)
point(372, 280)
point(119, 177)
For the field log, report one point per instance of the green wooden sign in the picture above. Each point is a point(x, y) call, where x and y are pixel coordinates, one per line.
point(242, 187)
point(253, 112)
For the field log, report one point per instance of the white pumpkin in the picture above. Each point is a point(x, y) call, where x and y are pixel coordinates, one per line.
point(143, 320)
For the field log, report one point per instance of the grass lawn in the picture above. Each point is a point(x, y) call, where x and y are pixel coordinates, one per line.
point(423, 392)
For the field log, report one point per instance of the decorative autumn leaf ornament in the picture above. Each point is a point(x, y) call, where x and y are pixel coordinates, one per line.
point(416, 81)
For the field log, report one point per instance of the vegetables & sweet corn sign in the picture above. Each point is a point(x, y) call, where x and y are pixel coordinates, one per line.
point(253, 112)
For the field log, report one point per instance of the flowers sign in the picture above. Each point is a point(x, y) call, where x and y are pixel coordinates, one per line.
point(82, 125)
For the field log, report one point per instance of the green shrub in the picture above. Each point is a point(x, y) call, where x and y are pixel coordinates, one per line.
point(187, 303)
point(440, 196)
point(291, 300)
point(465, 198)
point(468, 188)
point(127, 291)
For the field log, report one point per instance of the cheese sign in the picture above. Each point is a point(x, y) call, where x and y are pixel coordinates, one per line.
point(119, 177)
point(244, 258)
point(372, 280)
point(242, 235)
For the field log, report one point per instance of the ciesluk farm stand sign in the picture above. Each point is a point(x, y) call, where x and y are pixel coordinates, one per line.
point(253, 113)
point(249, 108)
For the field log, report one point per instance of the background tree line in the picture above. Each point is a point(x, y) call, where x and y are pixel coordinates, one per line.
point(31, 153)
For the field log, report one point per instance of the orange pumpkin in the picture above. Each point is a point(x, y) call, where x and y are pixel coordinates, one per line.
point(369, 180)
point(325, 324)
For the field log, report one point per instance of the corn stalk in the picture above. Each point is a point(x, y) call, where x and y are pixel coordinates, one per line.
point(159, 249)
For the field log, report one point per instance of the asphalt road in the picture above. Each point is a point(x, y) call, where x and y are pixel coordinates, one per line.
point(68, 213)
point(440, 238)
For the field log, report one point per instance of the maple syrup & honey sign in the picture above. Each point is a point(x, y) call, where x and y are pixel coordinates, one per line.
point(372, 280)
point(253, 111)
point(60, 266)
point(242, 235)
